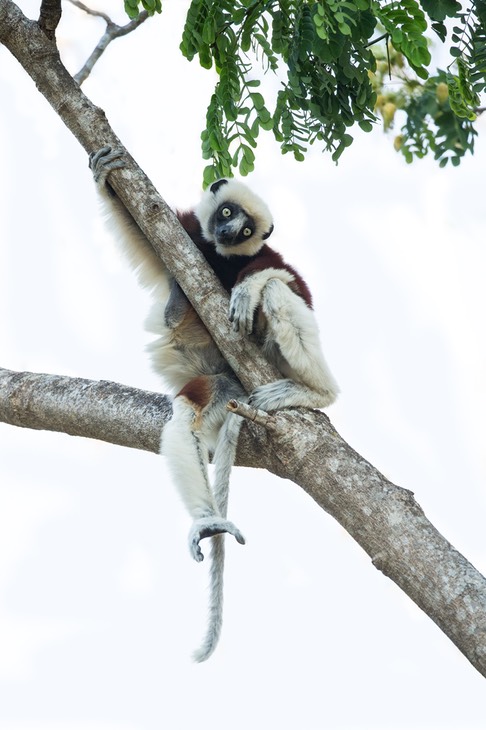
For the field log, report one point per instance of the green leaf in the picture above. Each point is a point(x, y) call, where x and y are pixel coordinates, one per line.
point(366, 125)
point(210, 175)
point(132, 12)
point(258, 100)
point(205, 58)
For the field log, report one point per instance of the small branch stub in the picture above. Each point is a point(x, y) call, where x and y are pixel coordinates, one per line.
point(262, 418)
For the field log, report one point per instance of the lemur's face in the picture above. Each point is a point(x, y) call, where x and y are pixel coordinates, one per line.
point(231, 225)
point(234, 219)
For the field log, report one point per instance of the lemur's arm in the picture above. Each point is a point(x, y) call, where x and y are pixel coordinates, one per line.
point(135, 247)
point(291, 338)
point(247, 293)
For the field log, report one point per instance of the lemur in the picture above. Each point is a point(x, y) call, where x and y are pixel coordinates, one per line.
point(268, 298)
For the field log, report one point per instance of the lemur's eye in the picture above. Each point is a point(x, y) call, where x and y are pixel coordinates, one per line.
point(247, 232)
point(226, 212)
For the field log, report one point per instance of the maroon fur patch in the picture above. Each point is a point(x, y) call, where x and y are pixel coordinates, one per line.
point(198, 390)
point(267, 258)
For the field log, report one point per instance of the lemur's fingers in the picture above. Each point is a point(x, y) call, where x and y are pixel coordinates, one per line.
point(207, 527)
point(104, 161)
point(241, 311)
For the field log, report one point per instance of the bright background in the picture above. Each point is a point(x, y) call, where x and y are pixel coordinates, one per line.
point(100, 604)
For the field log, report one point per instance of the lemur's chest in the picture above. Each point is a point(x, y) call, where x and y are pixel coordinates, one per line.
point(226, 268)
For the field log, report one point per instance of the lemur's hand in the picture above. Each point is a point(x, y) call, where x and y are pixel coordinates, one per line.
point(245, 298)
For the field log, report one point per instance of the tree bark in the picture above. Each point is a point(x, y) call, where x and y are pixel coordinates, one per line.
point(49, 17)
point(302, 446)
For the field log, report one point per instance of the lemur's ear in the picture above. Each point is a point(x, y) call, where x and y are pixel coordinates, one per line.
point(215, 186)
point(268, 233)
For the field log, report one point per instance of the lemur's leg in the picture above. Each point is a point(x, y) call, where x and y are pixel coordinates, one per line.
point(176, 306)
point(199, 413)
point(292, 330)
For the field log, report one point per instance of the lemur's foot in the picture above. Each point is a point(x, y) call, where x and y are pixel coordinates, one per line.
point(207, 527)
point(104, 161)
point(272, 396)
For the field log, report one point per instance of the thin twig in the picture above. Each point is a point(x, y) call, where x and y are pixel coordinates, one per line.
point(112, 31)
point(388, 57)
point(375, 40)
point(90, 11)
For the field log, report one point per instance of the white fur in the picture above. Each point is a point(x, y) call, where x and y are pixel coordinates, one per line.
point(186, 451)
point(292, 327)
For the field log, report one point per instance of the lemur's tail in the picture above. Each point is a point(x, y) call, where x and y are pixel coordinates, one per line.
point(215, 620)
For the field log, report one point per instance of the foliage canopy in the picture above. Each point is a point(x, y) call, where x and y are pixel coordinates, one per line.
point(336, 64)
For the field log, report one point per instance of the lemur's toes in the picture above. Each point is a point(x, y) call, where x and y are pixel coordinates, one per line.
point(104, 160)
point(208, 527)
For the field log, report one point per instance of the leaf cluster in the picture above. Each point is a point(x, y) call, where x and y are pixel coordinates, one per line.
point(440, 111)
point(323, 56)
point(320, 54)
point(133, 7)
point(466, 76)
point(433, 126)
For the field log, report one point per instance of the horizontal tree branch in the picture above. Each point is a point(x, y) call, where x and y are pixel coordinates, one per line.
point(303, 446)
point(102, 410)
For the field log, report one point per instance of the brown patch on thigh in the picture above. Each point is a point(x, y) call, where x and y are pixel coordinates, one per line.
point(198, 392)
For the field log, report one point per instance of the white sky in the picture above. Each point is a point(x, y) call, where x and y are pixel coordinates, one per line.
point(100, 604)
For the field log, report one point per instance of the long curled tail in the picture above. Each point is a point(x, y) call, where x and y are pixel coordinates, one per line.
point(224, 458)
point(215, 619)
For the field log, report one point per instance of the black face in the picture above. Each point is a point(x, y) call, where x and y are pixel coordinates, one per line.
point(231, 225)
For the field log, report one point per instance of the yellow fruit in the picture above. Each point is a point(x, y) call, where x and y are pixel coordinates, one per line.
point(382, 67)
point(398, 141)
point(388, 113)
point(442, 92)
point(380, 101)
point(398, 60)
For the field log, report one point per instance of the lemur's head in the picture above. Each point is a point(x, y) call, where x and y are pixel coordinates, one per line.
point(233, 218)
